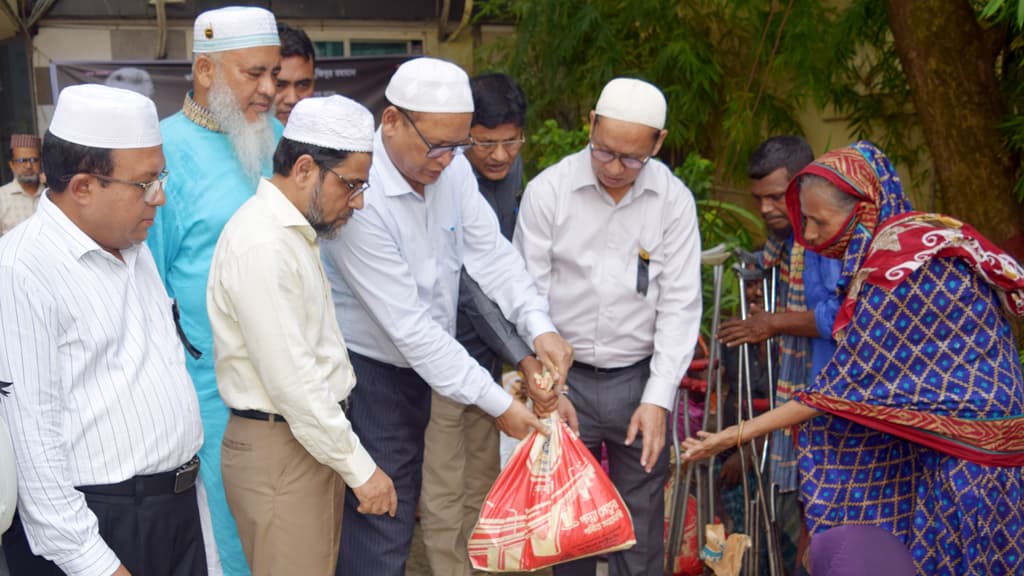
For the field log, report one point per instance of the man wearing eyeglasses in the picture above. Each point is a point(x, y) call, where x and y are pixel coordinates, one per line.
point(18, 198)
point(461, 453)
point(610, 236)
point(289, 449)
point(103, 417)
point(394, 272)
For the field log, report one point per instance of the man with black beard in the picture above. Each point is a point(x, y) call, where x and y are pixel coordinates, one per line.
point(217, 147)
point(282, 368)
point(18, 198)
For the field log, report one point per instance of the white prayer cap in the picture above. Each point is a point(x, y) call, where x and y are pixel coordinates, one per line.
point(334, 122)
point(632, 100)
point(430, 85)
point(100, 116)
point(234, 28)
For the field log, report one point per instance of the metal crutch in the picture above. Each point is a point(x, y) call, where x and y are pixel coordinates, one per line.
point(715, 257)
point(756, 507)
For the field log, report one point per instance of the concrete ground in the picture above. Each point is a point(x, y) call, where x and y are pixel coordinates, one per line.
point(417, 564)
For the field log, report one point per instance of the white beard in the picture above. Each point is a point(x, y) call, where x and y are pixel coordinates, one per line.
point(253, 141)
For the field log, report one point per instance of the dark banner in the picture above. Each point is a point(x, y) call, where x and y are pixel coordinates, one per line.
point(166, 82)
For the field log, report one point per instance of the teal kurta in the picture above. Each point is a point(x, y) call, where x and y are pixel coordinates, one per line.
point(205, 186)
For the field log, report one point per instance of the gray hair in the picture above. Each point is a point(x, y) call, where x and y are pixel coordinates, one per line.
point(837, 197)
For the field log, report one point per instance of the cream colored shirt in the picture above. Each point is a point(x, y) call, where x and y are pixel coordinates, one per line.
point(16, 205)
point(584, 252)
point(277, 345)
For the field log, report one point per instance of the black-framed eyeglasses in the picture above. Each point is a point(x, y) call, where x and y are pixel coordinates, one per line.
point(606, 156)
point(34, 160)
point(511, 146)
point(354, 188)
point(149, 189)
point(434, 150)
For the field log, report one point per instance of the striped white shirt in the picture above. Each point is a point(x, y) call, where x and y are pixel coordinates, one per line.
point(99, 389)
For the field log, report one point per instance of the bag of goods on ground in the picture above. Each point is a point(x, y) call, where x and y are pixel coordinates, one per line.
point(552, 503)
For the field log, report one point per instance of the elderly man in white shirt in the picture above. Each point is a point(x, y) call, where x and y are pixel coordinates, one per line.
point(104, 420)
point(394, 271)
point(610, 236)
point(282, 369)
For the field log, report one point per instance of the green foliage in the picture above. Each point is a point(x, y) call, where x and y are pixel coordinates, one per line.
point(550, 143)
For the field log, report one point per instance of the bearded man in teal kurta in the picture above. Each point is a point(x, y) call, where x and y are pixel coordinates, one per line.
point(217, 147)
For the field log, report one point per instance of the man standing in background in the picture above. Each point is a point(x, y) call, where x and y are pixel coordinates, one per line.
point(217, 147)
point(18, 198)
point(297, 77)
point(461, 456)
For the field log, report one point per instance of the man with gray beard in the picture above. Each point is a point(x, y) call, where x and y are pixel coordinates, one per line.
point(217, 148)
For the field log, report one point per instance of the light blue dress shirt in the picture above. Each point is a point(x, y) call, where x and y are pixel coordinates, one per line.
point(205, 187)
point(394, 273)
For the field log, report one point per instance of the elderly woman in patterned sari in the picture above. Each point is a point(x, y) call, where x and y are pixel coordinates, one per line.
point(917, 423)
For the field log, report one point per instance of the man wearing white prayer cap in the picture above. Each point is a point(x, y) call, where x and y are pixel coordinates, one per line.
point(289, 449)
point(217, 147)
point(394, 271)
point(611, 236)
point(104, 420)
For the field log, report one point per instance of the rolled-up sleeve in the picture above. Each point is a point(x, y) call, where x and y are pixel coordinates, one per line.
point(59, 525)
point(263, 290)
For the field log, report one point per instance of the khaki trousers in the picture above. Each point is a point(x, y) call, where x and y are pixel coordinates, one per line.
point(460, 463)
point(287, 505)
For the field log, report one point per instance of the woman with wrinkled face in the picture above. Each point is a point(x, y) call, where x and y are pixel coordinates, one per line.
point(916, 424)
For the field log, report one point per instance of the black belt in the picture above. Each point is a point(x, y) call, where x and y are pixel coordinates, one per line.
point(596, 370)
point(174, 482)
point(268, 417)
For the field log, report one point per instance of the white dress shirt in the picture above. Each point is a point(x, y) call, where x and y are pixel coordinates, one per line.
point(583, 251)
point(394, 272)
point(99, 389)
point(16, 205)
point(8, 478)
point(276, 342)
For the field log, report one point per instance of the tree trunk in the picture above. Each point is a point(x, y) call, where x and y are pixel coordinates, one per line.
point(956, 93)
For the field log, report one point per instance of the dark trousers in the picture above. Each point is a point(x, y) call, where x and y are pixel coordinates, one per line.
point(604, 404)
point(389, 410)
point(151, 535)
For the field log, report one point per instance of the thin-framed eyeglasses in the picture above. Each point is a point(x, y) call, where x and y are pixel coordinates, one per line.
point(149, 189)
point(33, 160)
point(511, 146)
point(354, 188)
point(434, 150)
point(606, 156)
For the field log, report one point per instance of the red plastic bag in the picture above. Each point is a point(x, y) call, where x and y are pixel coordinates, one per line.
point(552, 503)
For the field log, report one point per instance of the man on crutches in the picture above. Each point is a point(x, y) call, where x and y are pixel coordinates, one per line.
point(805, 306)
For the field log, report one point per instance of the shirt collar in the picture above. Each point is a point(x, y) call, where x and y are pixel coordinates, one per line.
point(75, 241)
point(199, 114)
point(583, 173)
point(282, 209)
point(392, 183)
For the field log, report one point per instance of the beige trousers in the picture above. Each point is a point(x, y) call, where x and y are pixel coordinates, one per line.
point(286, 504)
point(460, 464)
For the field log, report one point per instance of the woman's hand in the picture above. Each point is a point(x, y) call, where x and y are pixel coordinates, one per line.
point(708, 444)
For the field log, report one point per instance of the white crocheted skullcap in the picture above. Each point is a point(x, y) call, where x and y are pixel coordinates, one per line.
point(430, 85)
point(234, 28)
point(101, 116)
point(333, 122)
point(632, 100)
